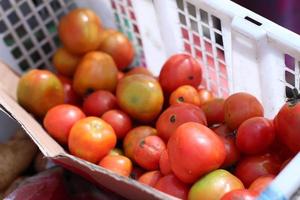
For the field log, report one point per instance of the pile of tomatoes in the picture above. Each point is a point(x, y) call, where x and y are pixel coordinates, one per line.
point(167, 131)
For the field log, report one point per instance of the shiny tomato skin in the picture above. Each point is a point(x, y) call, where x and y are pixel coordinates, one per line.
point(259, 184)
point(214, 185)
point(118, 46)
point(38, 91)
point(95, 71)
point(214, 111)
point(185, 94)
point(183, 149)
point(176, 115)
point(117, 163)
point(250, 168)
point(79, 31)
point(150, 178)
point(71, 97)
point(99, 102)
point(242, 194)
point(120, 122)
point(255, 136)
point(140, 96)
point(171, 185)
point(239, 107)
point(64, 62)
point(287, 125)
point(205, 95)
point(91, 138)
point(228, 137)
point(180, 69)
point(164, 163)
point(148, 151)
point(134, 136)
point(59, 120)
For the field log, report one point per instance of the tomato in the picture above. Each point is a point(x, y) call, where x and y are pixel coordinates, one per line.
point(99, 102)
point(91, 138)
point(59, 120)
point(214, 185)
point(180, 69)
point(118, 46)
point(214, 111)
point(38, 91)
point(64, 62)
point(205, 95)
point(148, 151)
point(71, 97)
point(184, 148)
point(185, 94)
point(176, 115)
point(136, 172)
point(259, 184)
point(120, 75)
point(96, 71)
point(139, 70)
point(120, 122)
point(134, 136)
point(116, 151)
point(239, 107)
point(287, 125)
point(171, 185)
point(117, 163)
point(140, 96)
point(79, 30)
point(150, 178)
point(228, 138)
point(242, 194)
point(252, 167)
point(164, 163)
point(255, 135)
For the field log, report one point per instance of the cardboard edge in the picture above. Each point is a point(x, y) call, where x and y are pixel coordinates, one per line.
point(9, 81)
point(126, 187)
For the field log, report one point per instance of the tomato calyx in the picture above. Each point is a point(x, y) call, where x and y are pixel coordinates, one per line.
point(180, 99)
point(292, 101)
point(173, 119)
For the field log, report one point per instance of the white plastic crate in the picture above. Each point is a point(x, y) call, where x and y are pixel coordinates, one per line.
point(240, 50)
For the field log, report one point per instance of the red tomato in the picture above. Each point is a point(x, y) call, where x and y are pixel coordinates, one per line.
point(164, 163)
point(239, 107)
point(259, 184)
point(136, 172)
point(171, 185)
point(118, 46)
point(252, 167)
point(214, 185)
point(255, 135)
point(99, 102)
point(64, 62)
point(147, 152)
point(120, 122)
point(71, 97)
point(228, 137)
point(91, 138)
point(134, 136)
point(214, 111)
point(176, 115)
point(79, 31)
point(117, 163)
point(180, 69)
point(150, 178)
point(242, 194)
point(140, 96)
point(287, 125)
point(183, 149)
point(95, 71)
point(38, 91)
point(185, 94)
point(205, 95)
point(60, 119)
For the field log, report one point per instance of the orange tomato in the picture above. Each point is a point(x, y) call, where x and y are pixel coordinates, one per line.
point(185, 94)
point(139, 70)
point(91, 139)
point(164, 163)
point(205, 95)
point(79, 30)
point(260, 184)
point(214, 111)
point(117, 163)
point(150, 178)
point(64, 62)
